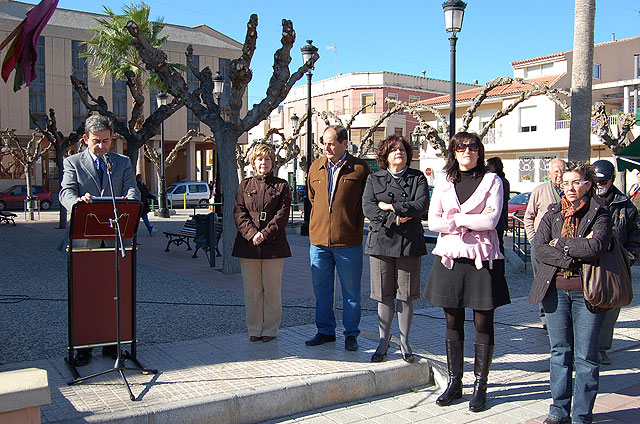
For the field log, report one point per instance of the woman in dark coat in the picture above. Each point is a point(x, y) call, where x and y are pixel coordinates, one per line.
point(574, 231)
point(394, 199)
point(261, 212)
point(494, 165)
point(145, 197)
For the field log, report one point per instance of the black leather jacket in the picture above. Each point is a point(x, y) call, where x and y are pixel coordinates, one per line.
point(409, 197)
point(626, 222)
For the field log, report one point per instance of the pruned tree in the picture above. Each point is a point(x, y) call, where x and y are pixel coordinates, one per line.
point(154, 156)
point(26, 156)
point(61, 145)
point(602, 128)
point(440, 140)
point(203, 104)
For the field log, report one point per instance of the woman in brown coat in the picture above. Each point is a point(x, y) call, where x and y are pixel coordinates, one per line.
point(261, 213)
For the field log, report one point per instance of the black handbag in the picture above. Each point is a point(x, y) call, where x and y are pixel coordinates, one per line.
point(606, 282)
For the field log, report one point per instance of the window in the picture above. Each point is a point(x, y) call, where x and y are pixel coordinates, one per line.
point(192, 82)
point(526, 168)
point(180, 190)
point(392, 96)
point(414, 99)
point(397, 132)
point(330, 105)
point(596, 71)
point(289, 114)
point(528, 119)
point(345, 105)
point(366, 99)
point(119, 98)
point(37, 95)
point(79, 70)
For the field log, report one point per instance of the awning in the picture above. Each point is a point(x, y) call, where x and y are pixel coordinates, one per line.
point(629, 157)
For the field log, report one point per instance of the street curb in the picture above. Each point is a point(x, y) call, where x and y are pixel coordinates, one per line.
point(280, 400)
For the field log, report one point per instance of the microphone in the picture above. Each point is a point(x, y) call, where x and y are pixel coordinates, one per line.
point(107, 161)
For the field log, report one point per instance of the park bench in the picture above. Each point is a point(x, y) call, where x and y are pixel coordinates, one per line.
point(188, 233)
point(7, 217)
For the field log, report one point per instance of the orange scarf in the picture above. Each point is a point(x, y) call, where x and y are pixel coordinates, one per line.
point(572, 215)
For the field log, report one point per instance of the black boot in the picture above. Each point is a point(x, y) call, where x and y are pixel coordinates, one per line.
point(484, 354)
point(455, 366)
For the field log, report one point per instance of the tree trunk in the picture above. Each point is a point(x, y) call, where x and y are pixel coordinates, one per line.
point(581, 73)
point(229, 176)
point(29, 200)
point(132, 154)
point(62, 219)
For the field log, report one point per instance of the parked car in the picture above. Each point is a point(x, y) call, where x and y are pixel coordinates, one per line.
point(302, 192)
point(13, 198)
point(517, 206)
point(197, 192)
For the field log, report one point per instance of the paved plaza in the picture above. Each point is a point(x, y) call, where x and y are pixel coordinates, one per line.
point(191, 328)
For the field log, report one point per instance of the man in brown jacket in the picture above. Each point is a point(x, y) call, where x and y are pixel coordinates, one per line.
point(336, 183)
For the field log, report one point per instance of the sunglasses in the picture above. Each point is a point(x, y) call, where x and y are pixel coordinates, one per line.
point(461, 147)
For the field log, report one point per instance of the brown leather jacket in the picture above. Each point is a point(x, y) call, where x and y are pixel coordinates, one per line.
point(342, 224)
point(262, 204)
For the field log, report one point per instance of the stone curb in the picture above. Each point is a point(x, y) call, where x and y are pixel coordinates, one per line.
point(274, 401)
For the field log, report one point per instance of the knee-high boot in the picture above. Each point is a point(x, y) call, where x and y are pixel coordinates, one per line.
point(484, 354)
point(455, 366)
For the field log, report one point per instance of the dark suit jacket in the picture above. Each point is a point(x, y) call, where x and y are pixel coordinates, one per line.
point(409, 197)
point(80, 177)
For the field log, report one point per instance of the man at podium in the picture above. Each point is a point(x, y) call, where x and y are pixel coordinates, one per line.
point(85, 177)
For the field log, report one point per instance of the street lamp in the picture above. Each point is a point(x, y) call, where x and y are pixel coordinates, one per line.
point(453, 14)
point(308, 51)
point(163, 212)
point(218, 86)
point(294, 124)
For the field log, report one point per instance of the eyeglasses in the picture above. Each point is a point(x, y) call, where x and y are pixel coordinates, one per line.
point(461, 147)
point(574, 184)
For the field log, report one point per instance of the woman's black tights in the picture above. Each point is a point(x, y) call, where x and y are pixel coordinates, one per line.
point(483, 321)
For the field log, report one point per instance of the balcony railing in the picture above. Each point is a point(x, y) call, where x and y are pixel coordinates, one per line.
point(565, 124)
point(490, 138)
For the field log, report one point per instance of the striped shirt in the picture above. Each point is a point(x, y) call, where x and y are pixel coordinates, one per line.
point(334, 170)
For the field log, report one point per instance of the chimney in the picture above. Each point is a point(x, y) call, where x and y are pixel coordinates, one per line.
point(424, 73)
point(475, 82)
point(613, 36)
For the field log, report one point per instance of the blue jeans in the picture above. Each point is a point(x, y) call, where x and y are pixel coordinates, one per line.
point(348, 261)
point(573, 335)
point(145, 219)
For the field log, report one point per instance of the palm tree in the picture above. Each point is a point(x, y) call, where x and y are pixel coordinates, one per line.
point(581, 74)
point(111, 52)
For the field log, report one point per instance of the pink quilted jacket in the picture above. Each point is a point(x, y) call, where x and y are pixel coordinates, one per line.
point(466, 232)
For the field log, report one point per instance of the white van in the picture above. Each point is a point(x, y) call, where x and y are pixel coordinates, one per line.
point(197, 194)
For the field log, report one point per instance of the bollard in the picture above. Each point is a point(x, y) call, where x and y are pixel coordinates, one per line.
point(184, 196)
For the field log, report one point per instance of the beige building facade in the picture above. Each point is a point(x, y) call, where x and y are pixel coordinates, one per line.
point(58, 49)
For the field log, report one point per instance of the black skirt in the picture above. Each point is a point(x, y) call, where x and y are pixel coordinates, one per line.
point(465, 286)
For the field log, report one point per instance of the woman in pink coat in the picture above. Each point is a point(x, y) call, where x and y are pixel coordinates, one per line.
point(468, 270)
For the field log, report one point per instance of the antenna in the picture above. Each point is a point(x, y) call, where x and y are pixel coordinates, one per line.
point(335, 50)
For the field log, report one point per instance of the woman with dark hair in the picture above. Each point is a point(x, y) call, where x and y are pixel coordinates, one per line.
point(394, 199)
point(494, 165)
point(468, 271)
point(574, 231)
point(145, 197)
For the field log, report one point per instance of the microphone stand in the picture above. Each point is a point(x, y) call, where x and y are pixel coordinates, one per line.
point(119, 366)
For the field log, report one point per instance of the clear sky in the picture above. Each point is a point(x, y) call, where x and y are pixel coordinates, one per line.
point(398, 36)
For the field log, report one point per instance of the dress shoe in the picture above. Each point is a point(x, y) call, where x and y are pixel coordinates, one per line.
point(350, 343)
point(111, 351)
point(255, 338)
point(82, 359)
point(377, 357)
point(554, 420)
point(319, 339)
point(604, 358)
point(268, 338)
point(408, 357)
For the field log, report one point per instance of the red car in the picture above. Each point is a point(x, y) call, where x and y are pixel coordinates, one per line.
point(13, 198)
point(517, 206)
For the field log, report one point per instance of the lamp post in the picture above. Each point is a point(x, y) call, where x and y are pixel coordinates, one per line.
point(163, 212)
point(308, 51)
point(453, 14)
point(294, 124)
point(218, 89)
